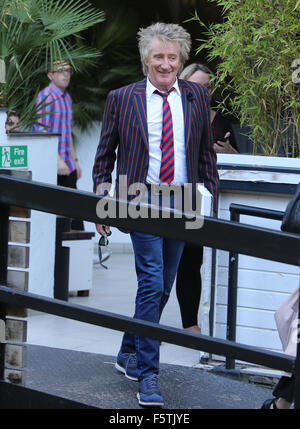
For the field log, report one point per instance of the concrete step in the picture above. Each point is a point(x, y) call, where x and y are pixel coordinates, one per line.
point(92, 379)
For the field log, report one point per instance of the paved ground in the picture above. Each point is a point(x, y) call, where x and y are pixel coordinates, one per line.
point(91, 378)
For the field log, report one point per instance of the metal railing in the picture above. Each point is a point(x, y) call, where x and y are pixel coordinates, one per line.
point(216, 233)
point(235, 211)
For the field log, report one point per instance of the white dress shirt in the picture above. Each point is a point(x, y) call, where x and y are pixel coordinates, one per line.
point(154, 119)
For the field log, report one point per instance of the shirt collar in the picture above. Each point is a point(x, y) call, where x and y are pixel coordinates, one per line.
point(56, 91)
point(150, 88)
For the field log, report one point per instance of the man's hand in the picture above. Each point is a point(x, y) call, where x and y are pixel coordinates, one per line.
point(103, 229)
point(62, 168)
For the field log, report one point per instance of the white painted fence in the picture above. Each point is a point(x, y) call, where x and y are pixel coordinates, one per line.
point(262, 285)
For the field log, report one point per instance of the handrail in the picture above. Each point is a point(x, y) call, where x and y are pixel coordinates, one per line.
point(235, 211)
point(256, 211)
point(144, 328)
point(217, 233)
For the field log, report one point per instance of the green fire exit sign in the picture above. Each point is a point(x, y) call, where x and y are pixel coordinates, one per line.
point(13, 156)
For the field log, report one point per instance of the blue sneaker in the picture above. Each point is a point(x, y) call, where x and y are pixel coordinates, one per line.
point(127, 364)
point(149, 394)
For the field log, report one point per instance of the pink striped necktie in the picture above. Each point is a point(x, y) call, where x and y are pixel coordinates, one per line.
point(166, 174)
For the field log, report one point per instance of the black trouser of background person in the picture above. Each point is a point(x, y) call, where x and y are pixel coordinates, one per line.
point(188, 284)
point(70, 181)
point(285, 388)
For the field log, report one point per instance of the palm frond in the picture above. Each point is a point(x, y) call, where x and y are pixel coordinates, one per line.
point(34, 33)
point(63, 18)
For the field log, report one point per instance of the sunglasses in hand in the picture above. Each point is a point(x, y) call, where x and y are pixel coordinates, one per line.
point(103, 242)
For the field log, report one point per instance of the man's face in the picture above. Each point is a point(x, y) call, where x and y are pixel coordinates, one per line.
point(163, 63)
point(60, 75)
point(11, 123)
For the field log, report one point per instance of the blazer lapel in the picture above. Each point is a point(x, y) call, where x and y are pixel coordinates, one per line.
point(186, 97)
point(140, 107)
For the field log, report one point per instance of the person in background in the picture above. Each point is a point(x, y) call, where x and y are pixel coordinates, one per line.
point(223, 136)
point(145, 123)
point(12, 120)
point(188, 280)
point(57, 118)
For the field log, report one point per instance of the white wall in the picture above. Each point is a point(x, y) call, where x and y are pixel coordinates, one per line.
point(262, 284)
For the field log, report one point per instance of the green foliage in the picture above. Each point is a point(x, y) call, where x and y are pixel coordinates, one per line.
point(257, 48)
point(117, 66)
point(33, 34)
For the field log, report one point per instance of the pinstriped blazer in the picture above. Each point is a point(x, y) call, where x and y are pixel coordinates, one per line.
point(124, 129)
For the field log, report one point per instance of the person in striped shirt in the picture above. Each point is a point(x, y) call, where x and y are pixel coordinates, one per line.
point(56, 107)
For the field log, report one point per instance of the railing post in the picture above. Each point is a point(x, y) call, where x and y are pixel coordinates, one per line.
point(61, 266)
point(4, 219)
point(232, 294)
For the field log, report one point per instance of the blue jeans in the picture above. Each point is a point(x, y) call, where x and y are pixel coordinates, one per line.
point(156, 263)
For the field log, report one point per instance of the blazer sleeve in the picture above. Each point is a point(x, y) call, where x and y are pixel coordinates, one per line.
point(208, 159)
point(109, 141)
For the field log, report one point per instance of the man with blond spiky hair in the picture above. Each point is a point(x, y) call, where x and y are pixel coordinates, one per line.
point(161, 129)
